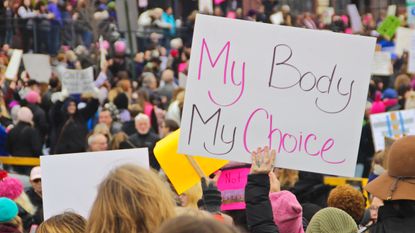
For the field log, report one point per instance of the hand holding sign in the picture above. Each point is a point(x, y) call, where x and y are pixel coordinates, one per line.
point(262, 160)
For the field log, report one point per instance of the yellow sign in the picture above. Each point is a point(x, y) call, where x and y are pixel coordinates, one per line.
point(182, 170)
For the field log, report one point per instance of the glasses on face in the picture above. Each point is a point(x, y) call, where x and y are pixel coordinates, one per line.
point(36, 180)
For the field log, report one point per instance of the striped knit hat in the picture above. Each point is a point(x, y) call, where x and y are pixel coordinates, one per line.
point(329, 220)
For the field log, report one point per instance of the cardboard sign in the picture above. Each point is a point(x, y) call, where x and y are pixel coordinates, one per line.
point(382, 64)
point(403, 40)
point(392, 125)
point(38, 66)
point(232, 184)
point(410, 12)
point(206, 6)
point(14, 64)
point(389, 26)
point(355, 19)
point(242, 95)
point(411, 55)
point(180, 171)
point(70, 181)
point(391, 10)
point(78, 81)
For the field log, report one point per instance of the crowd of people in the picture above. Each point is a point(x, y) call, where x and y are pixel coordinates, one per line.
point(138, 98)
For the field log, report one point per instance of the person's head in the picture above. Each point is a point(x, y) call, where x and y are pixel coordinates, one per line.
point(105, 117)
point(374, 207)
point(130, 199)
point(135, 109)
point(142, 123)
point(8, 210)
point(97, 142)
point(190, 224)
point(104, 130)
point(32, 97)
point(67, 222)
point(217, 11)
point(287, 177)
point(167, 76)
point(117, 140)
point(398, 183)
point(347, 198)
point(25, 115)
point(168, 126)
point(287, 211)
point(27, 3)
point(121, 101)
point(329, 220)
point(71, 107)
point(149, 81)
point(191, 196)
point(169, 10)
point(36, 180)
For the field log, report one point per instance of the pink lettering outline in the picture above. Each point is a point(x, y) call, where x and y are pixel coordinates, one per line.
point(236, 84)
point(324, 150)
point(283, 142)
point(248, 123)
point(213, 63)
point(306, 142)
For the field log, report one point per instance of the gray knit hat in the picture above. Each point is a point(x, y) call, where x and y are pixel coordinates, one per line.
point(329, 220)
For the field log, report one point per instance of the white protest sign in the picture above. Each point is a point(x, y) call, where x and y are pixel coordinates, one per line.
point(306, 100)
point(355, 19)
point(206, 6)
point(403, 40)
point(391, 10)
point(391, 125)
point(78, 81)
point(14, 64)
point(411, 57)
point(70, 181)
point(38, 66)
point(382, 64)
point(410, 12)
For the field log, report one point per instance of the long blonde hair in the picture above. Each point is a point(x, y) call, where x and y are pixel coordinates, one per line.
point(130, 200)
point(67, 222)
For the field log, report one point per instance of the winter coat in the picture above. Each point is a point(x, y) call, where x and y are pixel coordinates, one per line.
point(259, 214)
point(71, 131)
point(39, 119)
point(392, 219)
point(24, 140)
point(148, 140)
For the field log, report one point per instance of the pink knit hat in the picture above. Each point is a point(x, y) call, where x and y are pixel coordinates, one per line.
point(288, 213)
point(32, 97)
point(120, 47)
point(378, 106)
point(10, 187)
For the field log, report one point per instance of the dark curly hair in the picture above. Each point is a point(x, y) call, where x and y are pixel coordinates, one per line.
point(349, 199)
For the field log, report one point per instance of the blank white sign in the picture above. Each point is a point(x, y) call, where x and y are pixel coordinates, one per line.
point(70, 181)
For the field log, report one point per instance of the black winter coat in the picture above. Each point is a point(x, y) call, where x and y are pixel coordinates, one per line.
point(24, 140)
point(40, 120)
point(71, 131)
point(259, 214)
point(148, 140)
point(393, 218)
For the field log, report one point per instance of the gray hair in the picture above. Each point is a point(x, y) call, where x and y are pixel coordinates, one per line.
point(142, 116)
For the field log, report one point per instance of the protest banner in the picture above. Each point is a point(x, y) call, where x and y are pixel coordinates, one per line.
point(78, 81)
point(403, 40)
point(236, 99)
point(183, 171)
point(38, 66)
point(392, 125)
point(389, 26)
point(411, 55)
point(382, 64)
point(206, 6)
point(232, 184)
point(410, 12)
point(70, 181)
point(14, 64)
point(355, 19)
point(391, 10)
